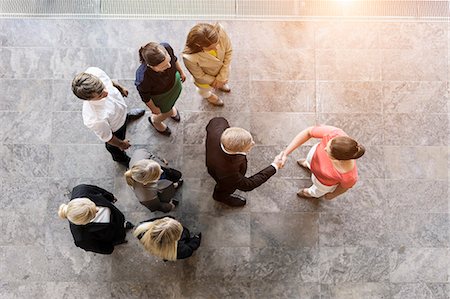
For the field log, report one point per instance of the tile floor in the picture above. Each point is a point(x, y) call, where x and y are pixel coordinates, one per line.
point(385, 83)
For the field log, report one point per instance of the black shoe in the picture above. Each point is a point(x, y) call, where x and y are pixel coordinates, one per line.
point(166, 132)
point(234, 201)
point(179, 183)
point(199, 236)
point(134, 114)
point(125, 163)
point(177, 117)
point(128, 225)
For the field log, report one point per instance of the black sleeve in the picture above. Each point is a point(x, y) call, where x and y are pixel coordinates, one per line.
point(85, 190)
point(156, 218)
point(187, 245)
point(169, 49)
point(101, 247)
point(248, 184)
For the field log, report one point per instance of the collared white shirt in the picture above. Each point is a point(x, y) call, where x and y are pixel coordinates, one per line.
point(243, 153)
point(107, 115)
point(103, 215)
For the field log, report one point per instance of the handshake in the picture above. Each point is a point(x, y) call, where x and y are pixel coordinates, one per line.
point(280, 159)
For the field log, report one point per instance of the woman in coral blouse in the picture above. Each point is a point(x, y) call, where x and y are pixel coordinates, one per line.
point(207, 56)
point(331, 161)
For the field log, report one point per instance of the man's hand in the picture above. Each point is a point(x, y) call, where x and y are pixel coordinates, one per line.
point(124, 92)
point(125, 144)
point(278, 160)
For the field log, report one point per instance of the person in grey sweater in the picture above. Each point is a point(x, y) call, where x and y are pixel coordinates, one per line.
point(152, 184)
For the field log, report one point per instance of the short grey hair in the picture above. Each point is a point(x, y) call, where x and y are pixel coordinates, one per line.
point(85, 86)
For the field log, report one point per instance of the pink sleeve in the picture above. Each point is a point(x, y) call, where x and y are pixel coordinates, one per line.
point(321, 130)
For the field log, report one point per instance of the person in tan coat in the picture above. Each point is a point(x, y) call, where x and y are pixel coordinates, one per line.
point(207, 56)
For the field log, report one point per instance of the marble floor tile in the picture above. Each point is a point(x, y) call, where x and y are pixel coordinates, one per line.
point(90, 289)
point(214, 288)
point(265, 67)
point(18, 63)
point(414, 65)
point(397, 131)
point(302, 35)
point(290, 266)
point(415, 97)
point(346, 35)
point(349, 97)
point(271, 128)
point(404, 162)
point(27, 127)
point(352, 123)
point(293, 230)
point(63, 97)
point(415, 264)
point(353, 264)
point(33, 266)
point(30, 160)
point(96, 161)
point(22, 289)
point(420, 290)
point(137, 290)
point(282, 96)
point(270, 289)
point(355, 290)
point(417, 196)
point(348, 64)
point(418, 230)
point(25, 95)
point(68, 128)
point(226, 230)
point(406, 35)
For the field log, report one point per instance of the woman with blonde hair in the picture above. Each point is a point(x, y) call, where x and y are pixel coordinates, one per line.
point(158, 80)
point(152, 184)
point(166, 238)
point(331, 161)
point(207, 56)
point(96, 224)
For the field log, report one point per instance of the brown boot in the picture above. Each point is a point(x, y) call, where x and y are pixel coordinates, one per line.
point(213, 99)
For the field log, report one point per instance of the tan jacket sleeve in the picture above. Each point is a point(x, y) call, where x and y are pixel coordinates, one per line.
point(197, 72)
point(224, 72)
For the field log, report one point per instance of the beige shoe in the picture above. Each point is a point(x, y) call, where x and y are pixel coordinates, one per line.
point(213, 99)
point(225, 88)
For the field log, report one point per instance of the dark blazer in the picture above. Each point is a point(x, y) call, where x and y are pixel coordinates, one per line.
point(229, 170)
point(98, 237)
point(186, 245)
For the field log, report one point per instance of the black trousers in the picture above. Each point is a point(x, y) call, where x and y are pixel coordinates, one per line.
point(117, 154)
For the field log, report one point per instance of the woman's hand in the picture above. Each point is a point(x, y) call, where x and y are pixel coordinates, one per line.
point(218, 84)
point(182, 77)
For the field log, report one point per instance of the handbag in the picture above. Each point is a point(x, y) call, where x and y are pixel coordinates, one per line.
point(166, 190)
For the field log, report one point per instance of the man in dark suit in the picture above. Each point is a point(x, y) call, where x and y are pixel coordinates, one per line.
point(226, 160)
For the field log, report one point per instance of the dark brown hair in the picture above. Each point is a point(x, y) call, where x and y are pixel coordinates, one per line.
point(152, 54)
point(201, 36)
point(345, 148)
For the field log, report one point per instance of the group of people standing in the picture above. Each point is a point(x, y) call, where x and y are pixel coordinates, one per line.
point(97, 225)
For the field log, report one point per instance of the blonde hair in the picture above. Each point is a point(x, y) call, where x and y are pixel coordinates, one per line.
point(160, 237)
point(236, 139)
point(144, 171)
point(201, 36)
point(85, 86)
point(79, 211)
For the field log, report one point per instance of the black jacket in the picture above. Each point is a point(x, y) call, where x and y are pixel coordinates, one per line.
point(98, 237)
point(186, 245)
point(229, 170)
